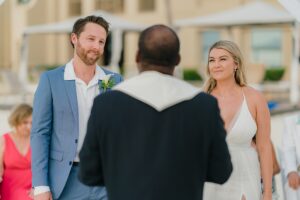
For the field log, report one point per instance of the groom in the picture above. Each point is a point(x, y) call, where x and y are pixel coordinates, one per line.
point(61, 109)
point(166, 138)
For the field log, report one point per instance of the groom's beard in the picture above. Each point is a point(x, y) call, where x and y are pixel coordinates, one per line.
point(89, 57)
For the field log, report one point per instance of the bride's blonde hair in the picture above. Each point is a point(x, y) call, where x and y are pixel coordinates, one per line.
point(236, 54)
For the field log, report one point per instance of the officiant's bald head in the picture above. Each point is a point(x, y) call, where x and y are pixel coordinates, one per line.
point(158, 48)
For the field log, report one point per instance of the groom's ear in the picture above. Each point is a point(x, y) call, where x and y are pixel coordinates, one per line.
point(73, 39)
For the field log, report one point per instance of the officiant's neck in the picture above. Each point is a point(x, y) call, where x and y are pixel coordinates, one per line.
point(161, 69)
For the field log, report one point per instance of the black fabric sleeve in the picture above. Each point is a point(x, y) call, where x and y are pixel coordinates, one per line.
point(219, 161)
point(91, 171)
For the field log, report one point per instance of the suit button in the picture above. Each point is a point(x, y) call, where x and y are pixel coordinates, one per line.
point(70, 163)
point(76, 141)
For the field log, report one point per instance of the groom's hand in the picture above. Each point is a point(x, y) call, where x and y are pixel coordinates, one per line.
point(43, 196)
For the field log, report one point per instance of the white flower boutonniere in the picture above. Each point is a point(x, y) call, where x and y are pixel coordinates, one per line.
point(107, 83)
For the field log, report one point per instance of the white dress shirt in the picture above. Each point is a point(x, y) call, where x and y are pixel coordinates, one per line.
point(85, 97)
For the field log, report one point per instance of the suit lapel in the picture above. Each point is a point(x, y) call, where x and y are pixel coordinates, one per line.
point(71, 93)
point(99, 86)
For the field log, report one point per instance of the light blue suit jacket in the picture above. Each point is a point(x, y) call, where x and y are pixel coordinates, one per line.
point(55, 129)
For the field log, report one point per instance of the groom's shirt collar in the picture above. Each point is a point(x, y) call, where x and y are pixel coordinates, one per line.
point(69, 73)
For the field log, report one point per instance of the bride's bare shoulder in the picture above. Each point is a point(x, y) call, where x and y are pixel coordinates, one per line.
point(254, 95)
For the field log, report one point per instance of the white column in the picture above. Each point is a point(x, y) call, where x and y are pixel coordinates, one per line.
point(229, 33)
point(116, 41)
point(87, 6)
point(131, 7)
point(23, 70)
point(294, 87)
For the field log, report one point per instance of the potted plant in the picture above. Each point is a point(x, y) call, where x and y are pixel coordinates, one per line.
point(274, 74)
point(192, 76)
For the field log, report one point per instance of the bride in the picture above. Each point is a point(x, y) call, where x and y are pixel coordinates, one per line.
point(245, 114)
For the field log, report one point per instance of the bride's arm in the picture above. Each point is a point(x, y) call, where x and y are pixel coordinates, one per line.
point(263, 143)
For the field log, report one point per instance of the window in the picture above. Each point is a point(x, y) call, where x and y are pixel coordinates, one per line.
point(146, 5)
point(266, 47)
point(75, 8)
point(208, 39)
point(110, 5)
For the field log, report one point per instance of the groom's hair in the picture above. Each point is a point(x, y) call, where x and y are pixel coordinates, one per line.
point(159, 45)
point(79, 25)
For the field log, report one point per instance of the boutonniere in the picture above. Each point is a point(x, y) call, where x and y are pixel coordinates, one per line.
point(107, 83)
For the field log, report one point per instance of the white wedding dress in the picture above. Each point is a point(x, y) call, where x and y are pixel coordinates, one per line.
point(245, 178)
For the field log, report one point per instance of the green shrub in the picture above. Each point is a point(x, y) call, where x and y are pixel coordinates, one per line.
point(191, 75)
point(122, 71)
point(274, 74)
point(46, 67)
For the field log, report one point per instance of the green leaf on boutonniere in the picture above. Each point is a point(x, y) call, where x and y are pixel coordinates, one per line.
point(107, 83)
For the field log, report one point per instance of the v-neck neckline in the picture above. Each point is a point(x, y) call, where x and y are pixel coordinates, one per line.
point(16, 148)
point(235, 117)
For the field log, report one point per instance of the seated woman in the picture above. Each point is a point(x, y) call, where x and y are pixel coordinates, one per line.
point(15, 156)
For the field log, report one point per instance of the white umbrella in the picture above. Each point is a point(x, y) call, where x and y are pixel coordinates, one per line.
point(257, 12)
point(66, 25)
point(293, 6)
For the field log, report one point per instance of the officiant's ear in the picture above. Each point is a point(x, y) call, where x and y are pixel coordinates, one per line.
point(138, 57)
point(138, 60)
point(177, 61)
